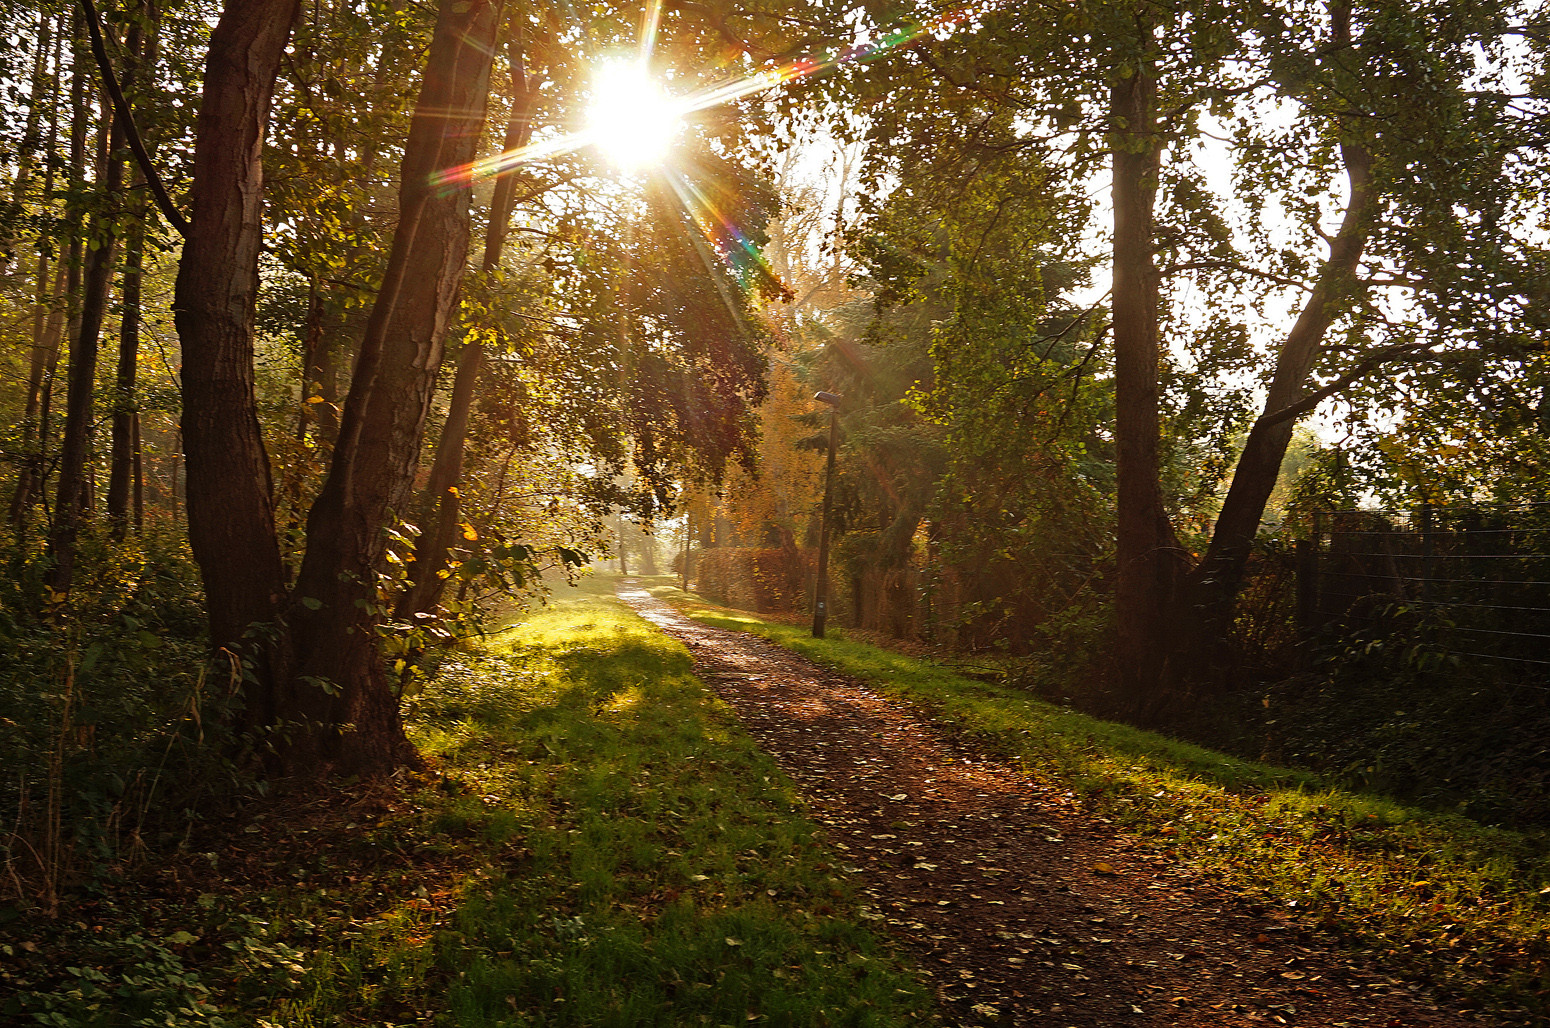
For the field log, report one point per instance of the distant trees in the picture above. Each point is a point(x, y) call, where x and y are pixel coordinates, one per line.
point(1370, 144)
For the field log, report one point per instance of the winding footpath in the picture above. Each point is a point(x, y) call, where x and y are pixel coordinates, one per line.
point(1023, 908)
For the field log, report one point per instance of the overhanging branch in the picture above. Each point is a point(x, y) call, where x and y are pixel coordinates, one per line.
point(127, 123)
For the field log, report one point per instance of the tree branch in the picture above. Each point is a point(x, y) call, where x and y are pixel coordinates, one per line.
point(127, 123)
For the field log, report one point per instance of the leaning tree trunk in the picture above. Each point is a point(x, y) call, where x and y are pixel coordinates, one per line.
point(341, 687)
point(441, 504)
point(228, 486)
point(1146, 553)
point(1216, 583)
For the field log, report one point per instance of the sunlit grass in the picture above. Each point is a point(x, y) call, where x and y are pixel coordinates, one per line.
point(1464, 905)
point(605, 847)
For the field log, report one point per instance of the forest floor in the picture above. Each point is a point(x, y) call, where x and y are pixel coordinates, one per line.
point(1021, 905)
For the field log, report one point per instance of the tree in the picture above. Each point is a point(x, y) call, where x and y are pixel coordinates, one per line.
point(1383, 293)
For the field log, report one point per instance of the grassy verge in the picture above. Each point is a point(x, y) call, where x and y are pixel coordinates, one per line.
point(1464, 906)
point(599, 845)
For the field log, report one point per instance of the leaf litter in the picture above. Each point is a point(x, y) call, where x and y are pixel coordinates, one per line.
point(1008, 877)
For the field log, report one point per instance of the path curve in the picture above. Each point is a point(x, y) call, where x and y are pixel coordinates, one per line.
point(1022, 907)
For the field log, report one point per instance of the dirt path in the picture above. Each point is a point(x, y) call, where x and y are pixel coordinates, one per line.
point(1024, 908)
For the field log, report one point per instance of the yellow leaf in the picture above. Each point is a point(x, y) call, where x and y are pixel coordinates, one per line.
point(1104, 869)
point(469, 533)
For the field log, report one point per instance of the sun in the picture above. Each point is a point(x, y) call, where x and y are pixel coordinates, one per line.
point(631, 119)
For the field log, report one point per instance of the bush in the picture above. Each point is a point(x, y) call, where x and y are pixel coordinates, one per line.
point(107, 714)
point(753, 579)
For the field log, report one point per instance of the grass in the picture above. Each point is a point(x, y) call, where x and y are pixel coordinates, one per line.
point(638, 860)
point(598, 844)
point(1463, 906)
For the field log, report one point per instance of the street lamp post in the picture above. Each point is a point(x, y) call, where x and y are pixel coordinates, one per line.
point(821, 588)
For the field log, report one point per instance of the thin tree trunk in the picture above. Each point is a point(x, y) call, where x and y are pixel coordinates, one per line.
point(74, 498)
point(228, 485)
point(371, 475)
point(138, 494)
point(1145, 548)
point(125, 402)
point(43, 357)
point(122, 461)
point(54, 344)
point(433, 549)
point(1220, 575)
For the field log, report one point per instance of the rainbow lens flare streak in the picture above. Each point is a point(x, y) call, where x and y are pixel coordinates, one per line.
point(939, 27)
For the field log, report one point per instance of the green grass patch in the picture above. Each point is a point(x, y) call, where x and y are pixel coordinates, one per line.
point(628, 857)
point(1462, 905)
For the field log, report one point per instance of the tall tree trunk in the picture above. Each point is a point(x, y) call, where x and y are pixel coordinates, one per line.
point(228, 485)
point(1220, 575)
point(441, 503)
point(125, 402)
point(140, 48)
point(371, 475)
point(74, 498)
point(44, 354)
point(1146, 552)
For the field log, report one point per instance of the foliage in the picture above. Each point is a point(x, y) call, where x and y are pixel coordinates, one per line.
point(113, 722)
point(600, 844)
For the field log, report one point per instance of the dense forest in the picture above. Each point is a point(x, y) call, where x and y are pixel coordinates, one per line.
point(1191, 362)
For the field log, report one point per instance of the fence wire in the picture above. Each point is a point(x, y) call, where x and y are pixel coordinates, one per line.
point(1479, 575)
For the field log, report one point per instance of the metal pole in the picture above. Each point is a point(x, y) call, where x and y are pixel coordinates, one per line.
point(821, 587)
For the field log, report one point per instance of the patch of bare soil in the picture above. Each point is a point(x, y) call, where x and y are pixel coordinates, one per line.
point(1024, 908)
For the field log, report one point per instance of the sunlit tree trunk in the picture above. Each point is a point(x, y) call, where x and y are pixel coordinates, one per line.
point(1146, 555)
point(341, 681)
point(441, 504)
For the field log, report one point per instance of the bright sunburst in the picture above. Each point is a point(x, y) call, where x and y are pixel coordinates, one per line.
point(630, 117)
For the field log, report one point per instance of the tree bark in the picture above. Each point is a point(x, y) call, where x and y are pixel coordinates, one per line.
point(441, 503)
point(1146, 551)
point(337, 611)
point(140, 48)
point(228, 485)
point(74, 499)
point(1220, 575)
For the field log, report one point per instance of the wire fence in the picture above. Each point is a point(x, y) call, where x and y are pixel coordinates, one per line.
point(1478, 574)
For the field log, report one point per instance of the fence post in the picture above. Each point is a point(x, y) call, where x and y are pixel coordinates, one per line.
point(1425, 590)
point(1307, 554)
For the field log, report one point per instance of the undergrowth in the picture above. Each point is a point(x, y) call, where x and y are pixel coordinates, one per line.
point(1462, 905)
point(597, 844)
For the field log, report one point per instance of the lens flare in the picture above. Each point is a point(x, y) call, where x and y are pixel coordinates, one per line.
point(630, 118)
point(863, 52)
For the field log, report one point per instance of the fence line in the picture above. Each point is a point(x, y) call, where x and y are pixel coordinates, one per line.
point(1372, 567)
